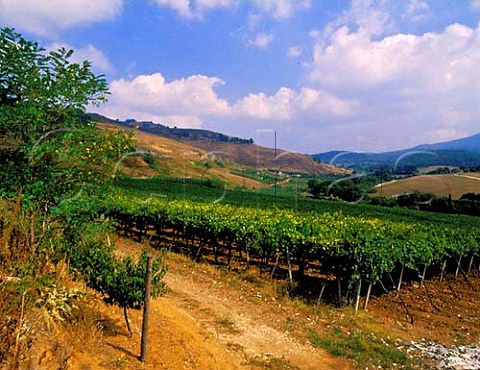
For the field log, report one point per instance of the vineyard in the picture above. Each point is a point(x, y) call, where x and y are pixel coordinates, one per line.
point(333, 247)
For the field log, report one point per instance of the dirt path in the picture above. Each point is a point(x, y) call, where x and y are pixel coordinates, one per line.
point(212, 319)
point(242, 321)
point(468, 177)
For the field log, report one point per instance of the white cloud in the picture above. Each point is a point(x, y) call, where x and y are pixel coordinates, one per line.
point(195, 96)
point(294, 52)
point(417, 10)
point(193, 102)
point(354, 59)
point(45, 17)
point(475, 4)
point(181, 6)
point(98, 59)
point(282, 9)
point(411, 88)
point(371, 17)
point(437, 136)
point(263, 107)
point(287, 104)
point(195, 9)
point(261, 40)
point(151, 97)
point(415, 6)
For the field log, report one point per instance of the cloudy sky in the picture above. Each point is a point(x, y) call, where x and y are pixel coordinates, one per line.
point(360, 75)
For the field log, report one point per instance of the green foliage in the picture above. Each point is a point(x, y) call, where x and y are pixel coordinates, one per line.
point(49, 153)
point(47, 149)
point(364, 348)
point(350, 189)
point(350, 248)
point(128, 281)
point(122, 281)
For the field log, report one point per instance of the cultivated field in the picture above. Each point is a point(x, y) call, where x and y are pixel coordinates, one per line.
point(440, 185)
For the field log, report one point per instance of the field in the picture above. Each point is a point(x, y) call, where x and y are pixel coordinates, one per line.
point(236, 310)
point(440, 185)
point(215, 318)
point(287, 197)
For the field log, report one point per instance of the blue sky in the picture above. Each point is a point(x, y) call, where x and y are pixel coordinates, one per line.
point(359, 75)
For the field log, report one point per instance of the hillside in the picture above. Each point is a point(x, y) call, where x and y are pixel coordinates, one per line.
point(182, 150)
point(470, 143)
point(215, 318)
point(171, 132)
point(257, 156)
point(460, 152)
point(440, 185)
point(177, 159)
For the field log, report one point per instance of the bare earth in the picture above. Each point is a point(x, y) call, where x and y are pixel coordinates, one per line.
point(212, 318)
point(209, 319)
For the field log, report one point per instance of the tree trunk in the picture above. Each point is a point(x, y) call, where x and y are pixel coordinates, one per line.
point(125, 315)
point(357, 297)
point(290, 277)
point(458, 266)
point(399, 282)
point(423, 276)
point(471, 263)
point(276, 264)
point(369, 290)
point(444, 266)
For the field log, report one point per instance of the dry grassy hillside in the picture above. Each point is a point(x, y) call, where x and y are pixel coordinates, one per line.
point(201, 159)
point(441, 185)
point(257, 156)
point(179, 159)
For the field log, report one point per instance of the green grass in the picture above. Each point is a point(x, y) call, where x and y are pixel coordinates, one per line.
point(259, 175)
point(365, 349)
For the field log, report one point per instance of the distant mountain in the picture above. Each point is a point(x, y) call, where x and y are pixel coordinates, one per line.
point(459, 152)
point(185, 134)
point(470, 143)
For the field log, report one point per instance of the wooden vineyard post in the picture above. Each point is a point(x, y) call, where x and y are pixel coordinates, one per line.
point(339, 292)
point(290, 276)
point(369, 290)
point(458, 266)
point(357, 297)
point(146, 309)
point(423, 276)
point(321, 294)
point(444, 265)
point(470, 264)
point(399, 282)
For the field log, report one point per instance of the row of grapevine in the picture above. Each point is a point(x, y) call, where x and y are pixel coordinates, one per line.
point(345, 247)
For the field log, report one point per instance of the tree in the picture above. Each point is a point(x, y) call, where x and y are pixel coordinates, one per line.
point(127, 286)
point(47, 150)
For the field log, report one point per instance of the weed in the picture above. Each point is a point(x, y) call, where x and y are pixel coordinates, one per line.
point(228, 324)
point(271, 363)
point(362, 347)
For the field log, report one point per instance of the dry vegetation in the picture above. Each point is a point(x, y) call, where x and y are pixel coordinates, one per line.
point(178, 159)
point(188, 158)
point(440, 185)
point(215, 318)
